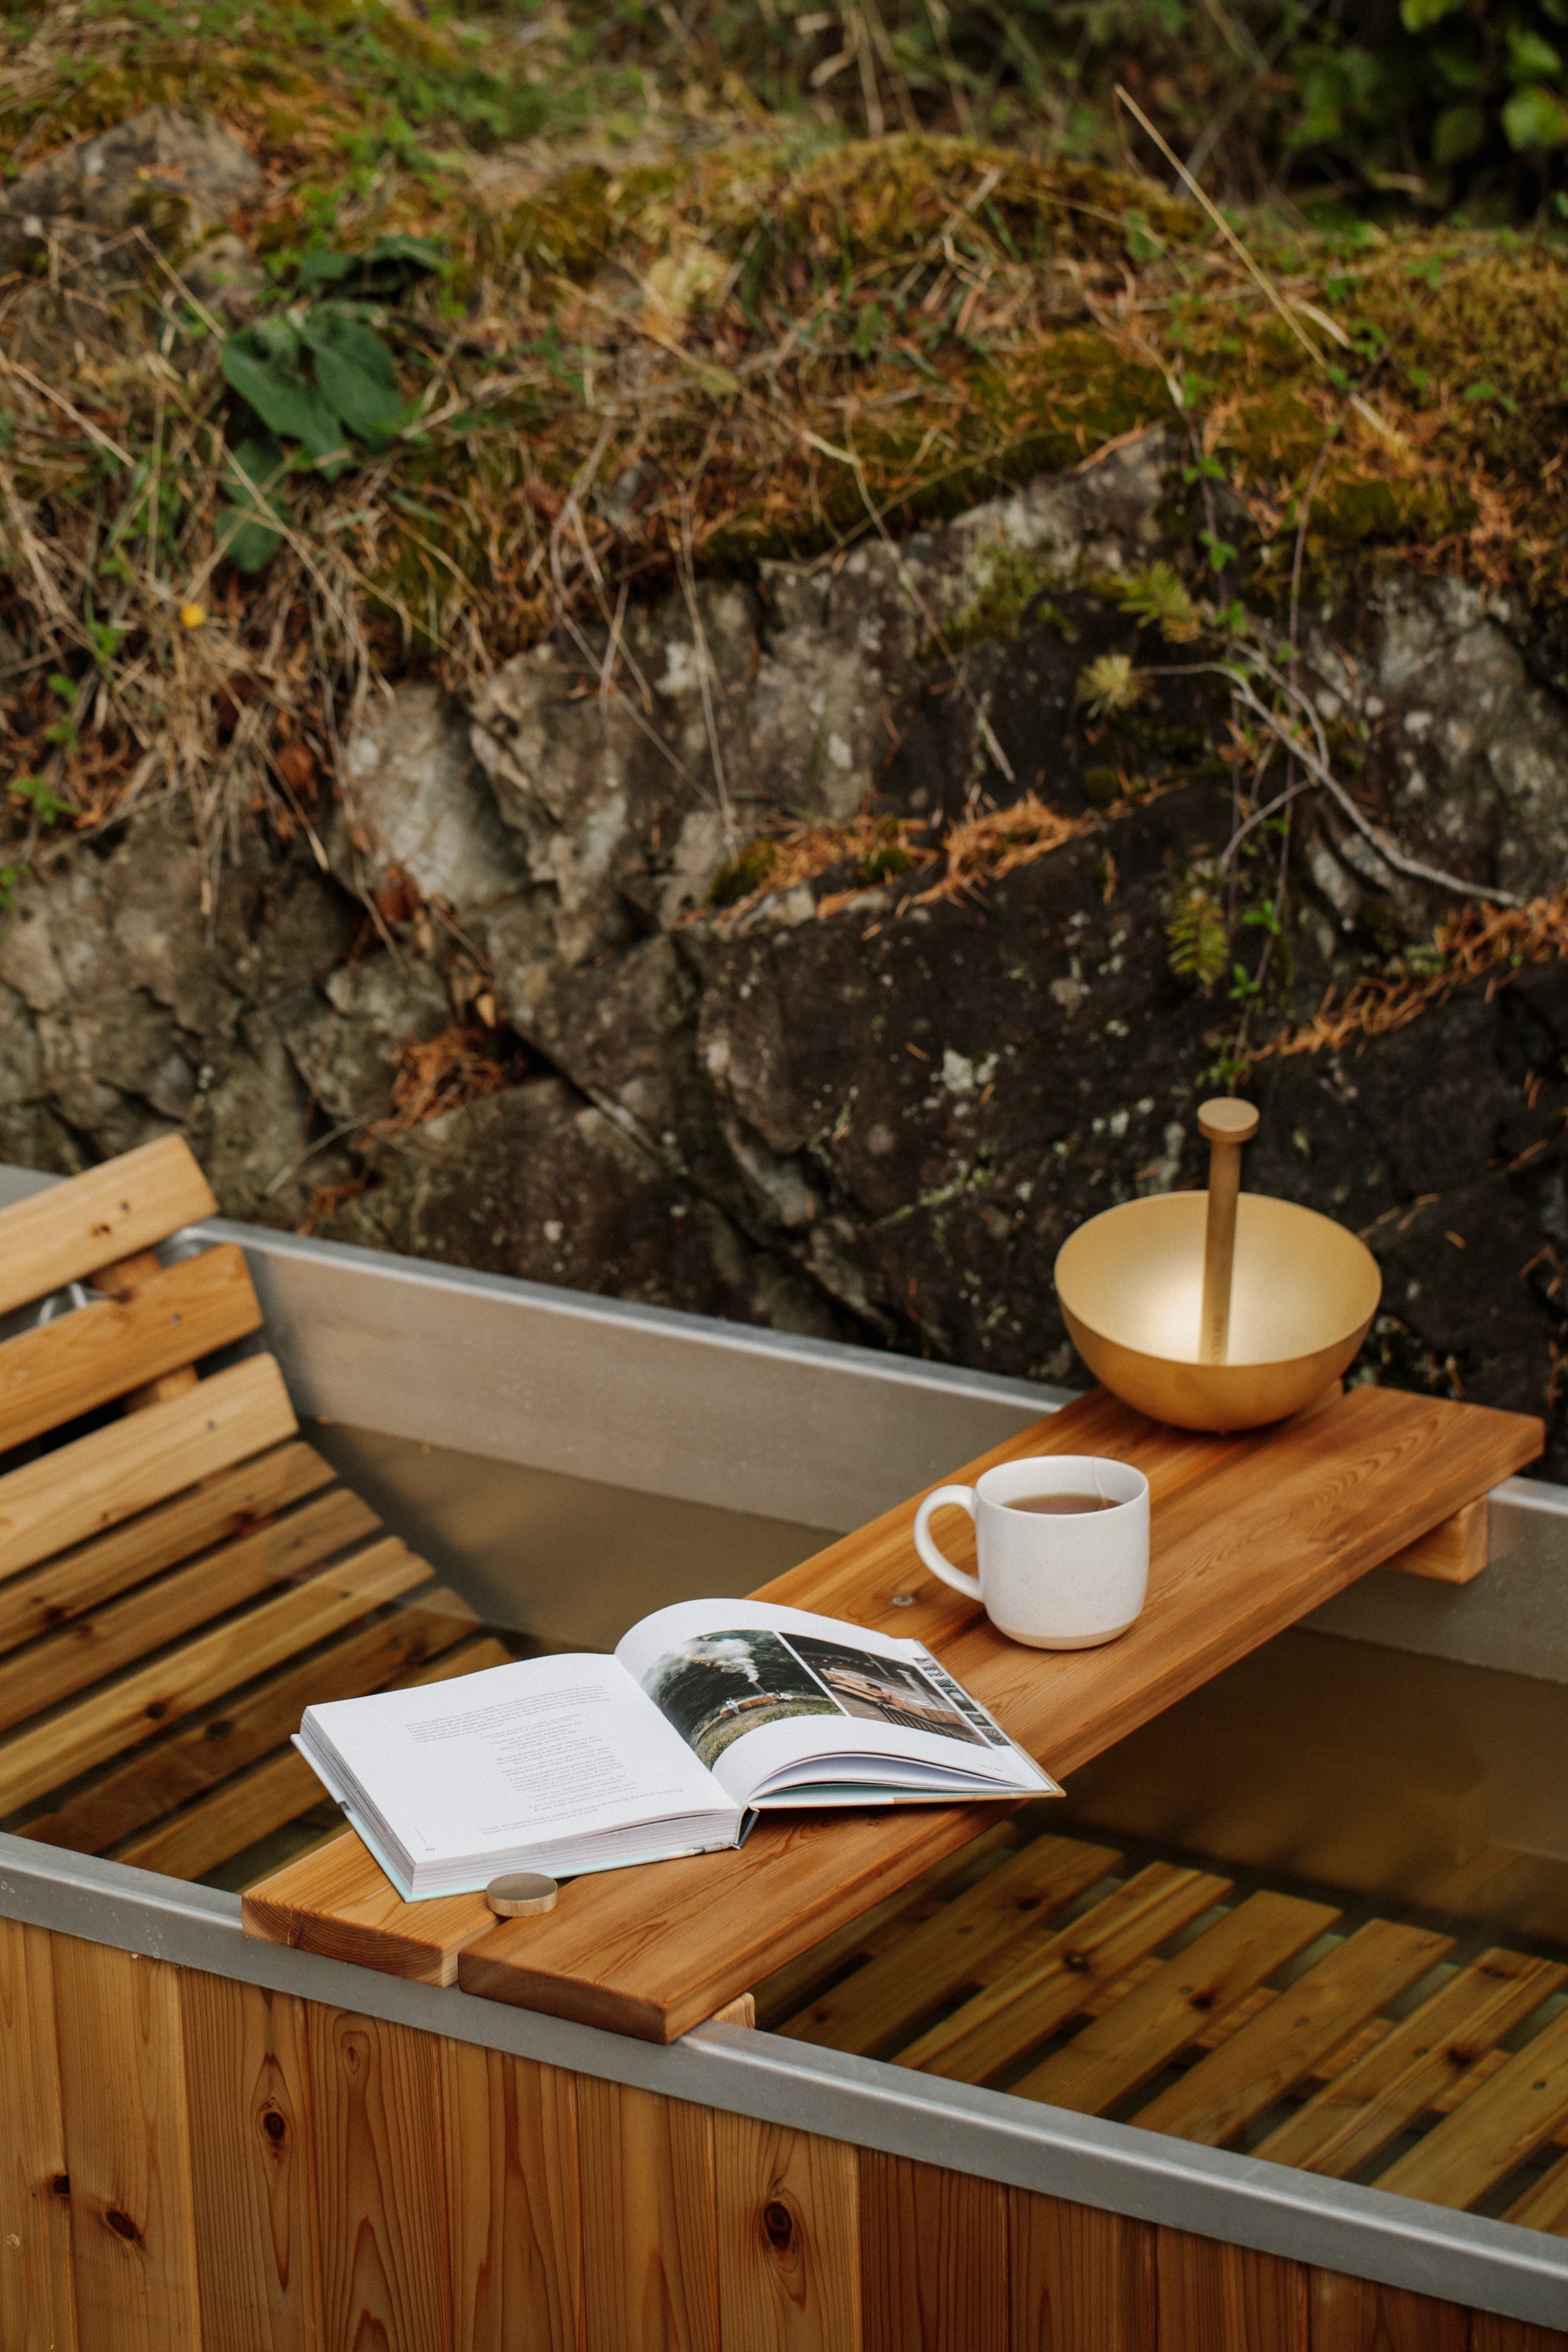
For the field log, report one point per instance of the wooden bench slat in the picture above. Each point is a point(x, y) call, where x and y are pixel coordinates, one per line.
point(103, 1479)
point(41, 1599)
point(71, 1231)
point(1497, 2130)
point(1038, 1994)
point(888, 1998)
point(269, 1795)
point(1116, 2056)
point(91, 1647)
point(246, 1724)
point(1279, 2047)
point(1544, 2206)
point(1364, 2108)
point(81, 1360)
point(55, 1748)
point(790, 1990)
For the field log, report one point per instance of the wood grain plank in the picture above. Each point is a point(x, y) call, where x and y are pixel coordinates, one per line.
point(128, 2149)
point(1351, 2314)
point(258, 1801)
point(933, 2258)
point(1214, 2297)
point(1279, 2048)
point(37, 2305)
point(337, 1899)
point(1497, 2130)
point(231, 1503)
point(99, 1480)
point(54, 1749)
point(649, 2221)
point(789, 2238)
point(1081, 2280)
point(81, 1360)
point(1491, 2332)
point(1039, 1992)
point(785, 1993)
point(649, 1953)
point(878, 2005)
point(378, 2182)
point(514, 2205)
point(243, 1725)
point(71, 1230)
point(1544, 2205)
point(245, 2066)
point(1454, 1552)
point(1118, 2053)
point(1369, 2103)
point(103, 1640)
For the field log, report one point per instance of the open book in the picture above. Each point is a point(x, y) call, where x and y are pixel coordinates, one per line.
point(706, 1712)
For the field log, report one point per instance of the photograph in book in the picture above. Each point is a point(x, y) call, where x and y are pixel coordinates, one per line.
point(718, 1686)
point(882, 1689)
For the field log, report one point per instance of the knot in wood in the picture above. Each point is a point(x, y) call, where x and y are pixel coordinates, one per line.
point(778, 2225)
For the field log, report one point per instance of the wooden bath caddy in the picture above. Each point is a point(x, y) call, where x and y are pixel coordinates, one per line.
point(1250, 1532)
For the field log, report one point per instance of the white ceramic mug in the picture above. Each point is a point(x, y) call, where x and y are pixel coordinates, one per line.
point(1061, 1580)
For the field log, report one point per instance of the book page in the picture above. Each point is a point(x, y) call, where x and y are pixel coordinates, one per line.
point(544, 1748)
point(758, 1691)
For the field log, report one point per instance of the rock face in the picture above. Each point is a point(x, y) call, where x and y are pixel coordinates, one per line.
point(863, 1094)
point(161, 181)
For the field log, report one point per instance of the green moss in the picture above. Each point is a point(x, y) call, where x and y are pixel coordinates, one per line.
point(745, 874)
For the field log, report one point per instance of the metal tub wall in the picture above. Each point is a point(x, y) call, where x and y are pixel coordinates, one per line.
point(209, 2141)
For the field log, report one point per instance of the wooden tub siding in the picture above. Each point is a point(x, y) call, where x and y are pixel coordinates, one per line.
point(190, 2162)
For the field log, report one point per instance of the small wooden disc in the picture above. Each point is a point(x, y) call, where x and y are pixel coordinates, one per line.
point(520, 1893)
point(1225, 1120)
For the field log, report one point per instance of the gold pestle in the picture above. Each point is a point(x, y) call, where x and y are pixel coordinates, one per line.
point(1227, 1124)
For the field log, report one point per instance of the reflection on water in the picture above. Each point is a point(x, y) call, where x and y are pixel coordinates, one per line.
point(1419, 1784)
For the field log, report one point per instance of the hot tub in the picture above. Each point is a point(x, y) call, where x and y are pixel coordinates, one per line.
point(214, 2141)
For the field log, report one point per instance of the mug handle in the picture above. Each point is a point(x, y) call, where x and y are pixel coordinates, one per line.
point(926, 1545)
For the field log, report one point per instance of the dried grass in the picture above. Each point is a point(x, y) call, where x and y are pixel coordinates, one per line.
point(1472, 944)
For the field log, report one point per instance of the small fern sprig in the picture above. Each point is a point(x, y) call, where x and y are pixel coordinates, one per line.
point(1159, 594)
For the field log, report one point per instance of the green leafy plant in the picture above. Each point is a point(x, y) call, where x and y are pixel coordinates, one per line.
point(250, 528)
point(323, 378)
point(45, 803)
point(1159, 594)
point(1108, 686)
point(1197, 941)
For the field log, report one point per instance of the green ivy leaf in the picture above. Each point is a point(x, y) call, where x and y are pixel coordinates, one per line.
point(1416, 15)
point(1529, 58)
point(1535, 117)
point(1458, 132)
point(263, 364)
point(385, 268)
point(248, 529)
point(356, 372)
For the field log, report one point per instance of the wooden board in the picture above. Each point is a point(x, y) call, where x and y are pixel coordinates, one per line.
point(1249, 1533)
point(229, 1503)
point(105, 1478)
point(1454, 1553)
point(368, 2185)
point(79, 1361)
point(73, 1229)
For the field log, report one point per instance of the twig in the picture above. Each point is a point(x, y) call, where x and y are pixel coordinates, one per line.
point(1319, 770)
point(14, 367)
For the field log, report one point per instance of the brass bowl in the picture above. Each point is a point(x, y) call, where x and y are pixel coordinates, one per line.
point(1303, 1294)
